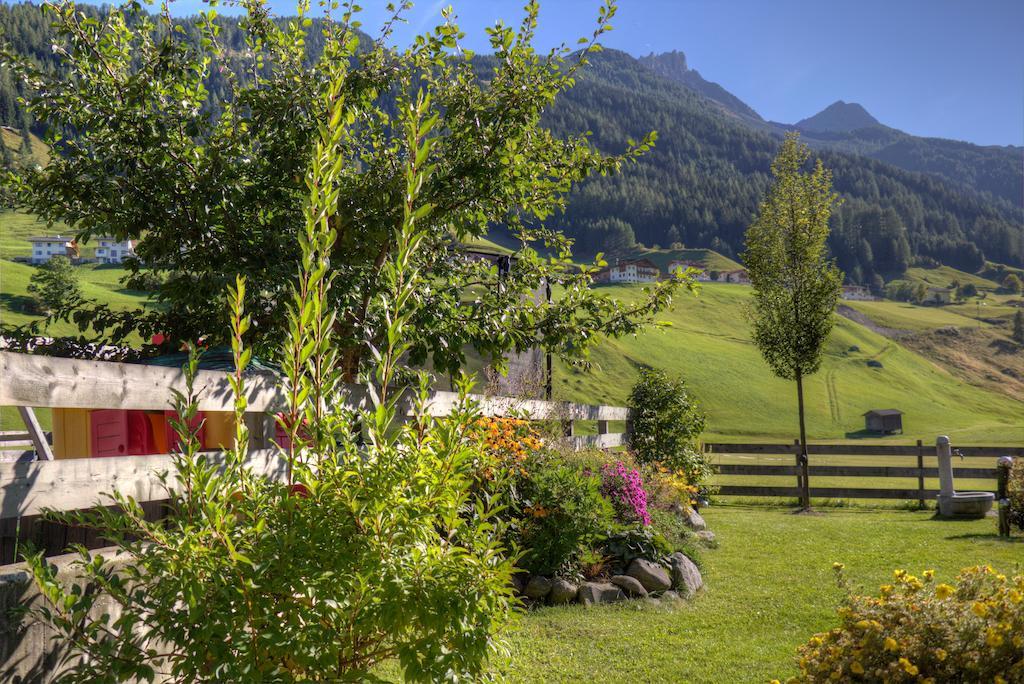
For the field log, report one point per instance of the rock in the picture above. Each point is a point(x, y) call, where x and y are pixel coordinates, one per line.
point(519, 582)
point(537, 588)
point(706, 536)
point(599, 592)
point(694, 520)
point(686, 576)
point(630, 586)
point(652, 576)
point(562, 592)
point(671, 595)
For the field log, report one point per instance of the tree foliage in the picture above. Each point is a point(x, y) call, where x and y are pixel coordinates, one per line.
point(366, 553)
point(55, 285)
point(214, 190)
point(796, 286)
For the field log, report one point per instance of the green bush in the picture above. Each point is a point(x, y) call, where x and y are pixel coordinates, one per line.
point(916, 632)
point(624, 545)
point(667, 424)
point(563, 516)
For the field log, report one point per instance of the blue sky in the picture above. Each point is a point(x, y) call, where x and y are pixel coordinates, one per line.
point(946, 68)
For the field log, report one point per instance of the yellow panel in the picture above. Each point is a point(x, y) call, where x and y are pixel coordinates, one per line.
point(71, 433)
point(220, 430)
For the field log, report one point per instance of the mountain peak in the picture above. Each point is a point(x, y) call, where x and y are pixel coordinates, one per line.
point(839, 117)
point(673, 66)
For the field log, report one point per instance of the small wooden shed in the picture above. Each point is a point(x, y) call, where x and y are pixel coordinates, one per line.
point(885, 421)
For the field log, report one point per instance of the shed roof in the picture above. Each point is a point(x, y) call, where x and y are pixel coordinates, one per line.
point(884, 412)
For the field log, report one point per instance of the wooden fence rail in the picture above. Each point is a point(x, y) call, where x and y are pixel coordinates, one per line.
point(827, 451)
point(28, 487)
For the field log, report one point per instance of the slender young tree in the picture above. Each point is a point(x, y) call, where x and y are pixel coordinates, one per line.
point(796, 284)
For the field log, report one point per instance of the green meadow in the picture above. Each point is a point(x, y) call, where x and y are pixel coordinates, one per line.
point(708, 343)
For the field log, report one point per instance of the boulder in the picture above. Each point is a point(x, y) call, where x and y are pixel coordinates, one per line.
point(599, 592)
point(706, 536)
point(671, 595)
point(519, 580)
point(630, 586)
point(537, 588)
point(686, 576)
point(694, 520)
point(652, 576)
point(562, 592)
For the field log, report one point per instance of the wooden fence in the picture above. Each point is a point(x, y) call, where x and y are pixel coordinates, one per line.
point(28, 487)
point(816, 469)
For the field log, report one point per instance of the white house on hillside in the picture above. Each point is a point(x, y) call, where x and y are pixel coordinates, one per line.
point(633, 271)
point(702, 274)
point(46, 246)
point(113, 251)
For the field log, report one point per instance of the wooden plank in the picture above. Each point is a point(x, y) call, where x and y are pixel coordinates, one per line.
point(44, 381)
point(815, 449)
point(744, 490)
point(829, 492)
point(988, 451)
point(73, 484)
point(854, 471)
point(39, 442)
point(606, 441)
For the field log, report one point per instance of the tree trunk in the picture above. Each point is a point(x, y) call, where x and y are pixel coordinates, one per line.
point(805, 495)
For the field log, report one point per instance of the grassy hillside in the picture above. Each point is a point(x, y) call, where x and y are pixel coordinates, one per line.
point(709, 344)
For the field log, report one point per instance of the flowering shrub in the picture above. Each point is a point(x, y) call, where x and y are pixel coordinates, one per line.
point(971, 631)
point(667, 489)
point(624, 487)
point(508, 443)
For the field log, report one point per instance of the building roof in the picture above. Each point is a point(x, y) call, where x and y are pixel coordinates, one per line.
point(884, 412)
point(49, 238)
point(639, 262)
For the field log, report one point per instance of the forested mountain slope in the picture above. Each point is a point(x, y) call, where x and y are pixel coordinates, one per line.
point(701, 183)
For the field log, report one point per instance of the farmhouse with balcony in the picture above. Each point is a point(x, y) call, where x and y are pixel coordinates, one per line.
point(702, 273)
point(113, 251)
point(631, 271)
point(47, 246)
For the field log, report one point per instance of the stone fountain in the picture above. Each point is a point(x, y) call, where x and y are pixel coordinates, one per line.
point(954, 504)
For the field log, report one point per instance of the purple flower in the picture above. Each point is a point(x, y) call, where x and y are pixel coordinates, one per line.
point(625, 488)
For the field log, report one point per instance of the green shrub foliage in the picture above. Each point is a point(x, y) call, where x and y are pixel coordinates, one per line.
point(563, 514)
point(359, 553)
point(667, 424)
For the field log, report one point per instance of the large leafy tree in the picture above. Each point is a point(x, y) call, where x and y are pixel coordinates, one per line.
point(796, 284)
point(214, 190)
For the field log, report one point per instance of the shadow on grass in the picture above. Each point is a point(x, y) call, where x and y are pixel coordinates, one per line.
point(988, 536)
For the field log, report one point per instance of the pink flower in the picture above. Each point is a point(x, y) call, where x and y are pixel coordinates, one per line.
point(625, 488)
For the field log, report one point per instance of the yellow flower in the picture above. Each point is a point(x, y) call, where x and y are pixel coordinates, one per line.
point(940, 654)
point(890, 644)
point(864, 624)
point(1015, 596)
point(838, 566)
point(944, 591)
point(856, 667)
point(908, 667)
point(998, 680)
point(929, 575)
point(979, 609)
point(993, 638)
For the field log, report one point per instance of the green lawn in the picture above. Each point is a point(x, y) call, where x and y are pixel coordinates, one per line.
point(709, 344)
point(904, 316)
point(770, 586)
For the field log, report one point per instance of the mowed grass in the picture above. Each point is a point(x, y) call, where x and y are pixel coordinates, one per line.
point(912, 318)
point(709, 345)
point(769, 587)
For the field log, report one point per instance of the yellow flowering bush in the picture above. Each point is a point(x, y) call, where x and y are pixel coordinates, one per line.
point(508, 443)
point(918, 631)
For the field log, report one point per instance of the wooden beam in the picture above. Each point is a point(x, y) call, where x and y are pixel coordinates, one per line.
point(36, 434)
point(829, 492)
point(77, 483)
point(853, 471)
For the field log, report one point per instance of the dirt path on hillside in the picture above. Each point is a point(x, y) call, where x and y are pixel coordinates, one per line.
point(865, 320)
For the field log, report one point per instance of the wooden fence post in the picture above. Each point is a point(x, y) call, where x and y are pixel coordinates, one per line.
point(1003, 467)
point(802, 477)
point(920, 473)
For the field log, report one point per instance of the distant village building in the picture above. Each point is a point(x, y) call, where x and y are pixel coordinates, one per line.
point(856, 293)
point(702, 274)
point(632, 271)
point(884, 421)
point(738, 276)
point(113, 251)
point(47, 246)
point(938, 295)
